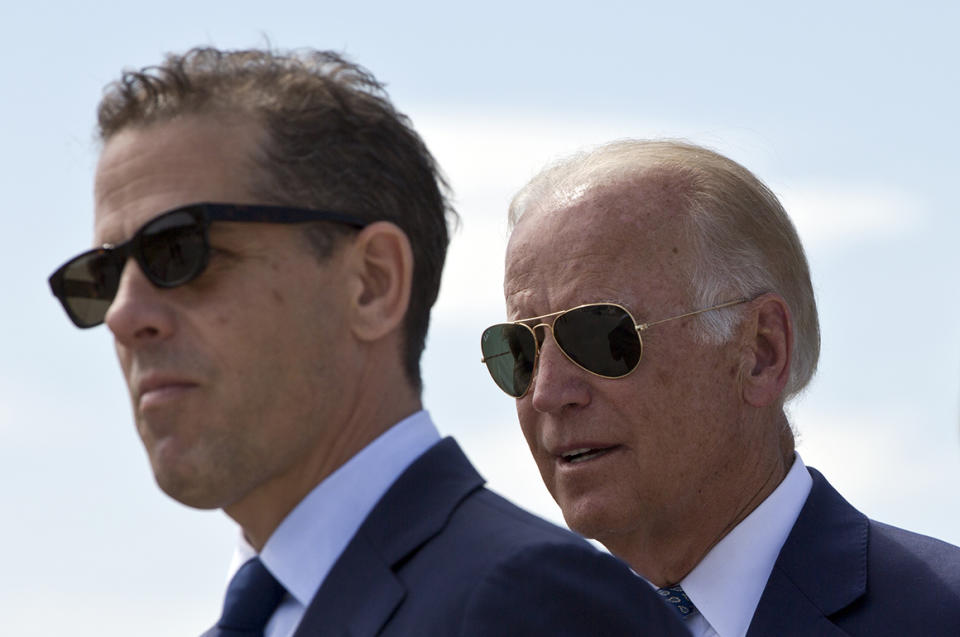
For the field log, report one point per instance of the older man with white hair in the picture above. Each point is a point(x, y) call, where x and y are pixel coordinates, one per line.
point(661, 314)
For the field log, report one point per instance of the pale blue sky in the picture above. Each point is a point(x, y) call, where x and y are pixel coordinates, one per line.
point(847, 110)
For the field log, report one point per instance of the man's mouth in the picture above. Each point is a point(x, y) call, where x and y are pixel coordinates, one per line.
point(158, 389)
point(586, 453)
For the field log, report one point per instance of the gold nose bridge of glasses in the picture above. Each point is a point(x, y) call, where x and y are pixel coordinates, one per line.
point(640, 327)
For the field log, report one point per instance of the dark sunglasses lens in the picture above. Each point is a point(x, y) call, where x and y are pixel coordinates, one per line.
point(600, 338)
point(87, 286)
point(173, 249)
point(509, 352)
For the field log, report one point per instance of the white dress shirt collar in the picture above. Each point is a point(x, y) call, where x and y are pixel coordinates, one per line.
point(727, 583)
point(303, 549)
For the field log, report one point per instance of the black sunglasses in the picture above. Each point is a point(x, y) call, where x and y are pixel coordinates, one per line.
point(600, 338)
point(172, 249)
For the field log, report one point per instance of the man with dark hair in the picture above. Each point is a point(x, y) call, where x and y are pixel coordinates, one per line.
point(271, 236)
point(662, 314)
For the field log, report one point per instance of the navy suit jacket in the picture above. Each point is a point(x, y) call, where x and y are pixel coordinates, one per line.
point(840, 573)
point(441, 556)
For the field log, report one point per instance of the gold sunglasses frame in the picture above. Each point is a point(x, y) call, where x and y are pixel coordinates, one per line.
point(639, 327)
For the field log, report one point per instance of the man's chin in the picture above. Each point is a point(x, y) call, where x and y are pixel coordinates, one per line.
point(590, 517)
point(189, 490)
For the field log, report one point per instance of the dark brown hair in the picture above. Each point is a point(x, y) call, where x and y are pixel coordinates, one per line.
point(333, 140)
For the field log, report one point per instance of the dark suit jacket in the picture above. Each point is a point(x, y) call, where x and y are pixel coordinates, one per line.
point(840, 573)
point(441, 556)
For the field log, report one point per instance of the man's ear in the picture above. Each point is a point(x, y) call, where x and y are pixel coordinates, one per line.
point(382, 265)
point(768, 340)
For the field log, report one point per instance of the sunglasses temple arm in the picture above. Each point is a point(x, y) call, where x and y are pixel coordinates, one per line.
point(644, 326)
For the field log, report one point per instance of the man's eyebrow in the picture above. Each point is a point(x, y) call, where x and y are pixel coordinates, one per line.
point(226, 229)
point(111, 240)
point(591, 301)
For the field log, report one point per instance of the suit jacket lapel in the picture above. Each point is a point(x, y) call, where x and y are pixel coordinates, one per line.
point(821, 569)
point(357, 597)
point(361, 591)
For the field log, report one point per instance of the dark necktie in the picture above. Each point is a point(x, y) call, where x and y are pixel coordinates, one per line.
point(252, 597)
point(675, 596)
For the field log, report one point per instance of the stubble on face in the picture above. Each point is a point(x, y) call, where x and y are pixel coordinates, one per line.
point(249, 341)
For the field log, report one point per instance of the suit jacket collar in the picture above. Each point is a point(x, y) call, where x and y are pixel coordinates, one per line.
point(361, 591)
point(821, 569)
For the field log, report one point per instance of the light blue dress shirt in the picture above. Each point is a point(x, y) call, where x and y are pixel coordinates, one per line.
point(727, 584)
point(308, 542)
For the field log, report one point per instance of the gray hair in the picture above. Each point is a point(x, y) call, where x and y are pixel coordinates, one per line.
point(745, 243)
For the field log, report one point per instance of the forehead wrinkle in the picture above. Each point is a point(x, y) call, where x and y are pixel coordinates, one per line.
point(615, 245)
point(539, 288)
point(137, 177)
point(624, 242)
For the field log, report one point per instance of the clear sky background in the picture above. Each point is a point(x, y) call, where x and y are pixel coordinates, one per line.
point(848, 110)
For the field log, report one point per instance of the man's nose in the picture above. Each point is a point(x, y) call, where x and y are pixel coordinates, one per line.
point(558, 383)
point(140, 311)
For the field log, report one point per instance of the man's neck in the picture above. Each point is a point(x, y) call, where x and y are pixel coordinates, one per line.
point(366, 417)
point(665, 555)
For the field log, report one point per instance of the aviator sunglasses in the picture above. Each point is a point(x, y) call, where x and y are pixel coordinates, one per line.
point(171, 249)
point(600, 338)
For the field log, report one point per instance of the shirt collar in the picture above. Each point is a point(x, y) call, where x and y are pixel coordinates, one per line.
point(303, 549)
point(727, 583)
